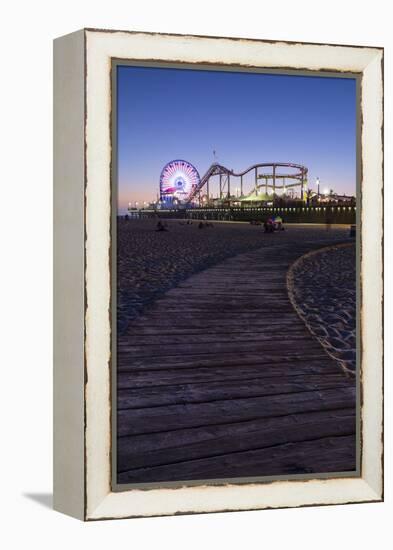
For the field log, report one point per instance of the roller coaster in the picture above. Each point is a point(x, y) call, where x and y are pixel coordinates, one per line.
point(270, 180)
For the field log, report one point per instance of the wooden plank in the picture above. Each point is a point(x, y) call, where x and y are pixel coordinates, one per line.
point(135, 379)
point(224, 390)
point(170, 417)
point(259, 437)
point(333, 454)
point(156, 317)
point(207, 331)
point(141, 447)
point(240, 360)
point(242, 338)
point(220, 348)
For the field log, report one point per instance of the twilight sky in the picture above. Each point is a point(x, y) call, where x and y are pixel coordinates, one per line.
point(166, 114)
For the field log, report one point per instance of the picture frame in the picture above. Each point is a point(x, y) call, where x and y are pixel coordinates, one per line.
point(83, 273)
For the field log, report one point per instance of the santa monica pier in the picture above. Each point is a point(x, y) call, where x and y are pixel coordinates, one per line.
point(260, 190)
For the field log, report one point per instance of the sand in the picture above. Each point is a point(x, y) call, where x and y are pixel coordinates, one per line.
point(323, 288)
point(150, 262)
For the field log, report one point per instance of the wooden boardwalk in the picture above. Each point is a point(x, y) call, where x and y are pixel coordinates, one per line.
point(220, 378)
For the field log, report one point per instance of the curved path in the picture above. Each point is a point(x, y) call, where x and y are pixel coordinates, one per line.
point(225, 381)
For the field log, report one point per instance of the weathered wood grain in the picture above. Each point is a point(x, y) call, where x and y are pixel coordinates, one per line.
point(254, 439)
point(224, 390)
point(299, 457)
point(223, 359)
point(172, 417)
point(141, 448)
point(162, 377)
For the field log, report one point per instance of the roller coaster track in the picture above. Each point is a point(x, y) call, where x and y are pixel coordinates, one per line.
point(217, 169)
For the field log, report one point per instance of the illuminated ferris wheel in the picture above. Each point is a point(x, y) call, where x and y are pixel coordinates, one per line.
point(178, 179)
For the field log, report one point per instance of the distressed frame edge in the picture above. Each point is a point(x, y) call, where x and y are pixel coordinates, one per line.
point(372, 274)
point(69, 489)
point(372, 486)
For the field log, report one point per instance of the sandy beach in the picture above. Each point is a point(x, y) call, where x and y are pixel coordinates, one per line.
point(323, 287)
point(150, 263)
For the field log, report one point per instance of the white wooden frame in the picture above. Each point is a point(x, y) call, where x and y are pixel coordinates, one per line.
point(82, 469)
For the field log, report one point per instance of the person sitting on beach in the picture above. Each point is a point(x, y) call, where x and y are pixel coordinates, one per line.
point(160, 226)
point(269, 225)
point(200, 225)
point(278, 223)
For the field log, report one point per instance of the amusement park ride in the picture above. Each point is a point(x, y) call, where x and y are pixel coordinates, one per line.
point(181, 185)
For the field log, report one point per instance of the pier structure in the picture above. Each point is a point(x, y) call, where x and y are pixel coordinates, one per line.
point(270, 181)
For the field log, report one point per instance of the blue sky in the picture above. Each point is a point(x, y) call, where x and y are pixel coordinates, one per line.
point(166, 114)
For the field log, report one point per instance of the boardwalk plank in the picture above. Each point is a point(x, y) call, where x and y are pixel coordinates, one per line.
point(220, 378)
point(241, 360)
point(260, 436)
point(171, 417)
point(142, 446)
point(292, 458)
point(193, 375)
point(224, 390)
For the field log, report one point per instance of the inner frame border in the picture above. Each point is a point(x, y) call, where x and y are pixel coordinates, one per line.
point(206, 66)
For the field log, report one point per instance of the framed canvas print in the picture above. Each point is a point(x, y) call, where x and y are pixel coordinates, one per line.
point(218, 274)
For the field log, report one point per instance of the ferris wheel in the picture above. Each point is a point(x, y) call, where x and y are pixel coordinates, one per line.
point(178, 179)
